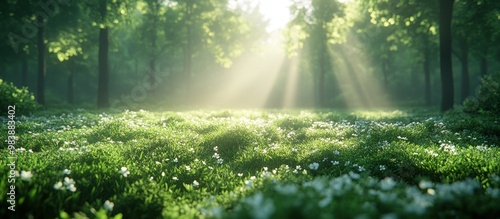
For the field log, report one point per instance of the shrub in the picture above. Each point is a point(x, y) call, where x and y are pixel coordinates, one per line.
point(487, 99)
point(11, 95)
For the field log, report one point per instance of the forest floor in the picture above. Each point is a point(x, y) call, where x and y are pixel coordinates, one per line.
point(252, 164)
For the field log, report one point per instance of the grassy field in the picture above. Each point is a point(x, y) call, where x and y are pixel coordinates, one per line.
point(252, 164)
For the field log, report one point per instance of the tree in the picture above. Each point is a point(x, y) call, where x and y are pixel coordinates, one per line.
point(211, 30)
point(103, 57)
point(416, 22)
point(445, 18)
point(40, 94)
point(463, 23)
point(36, 17)
point(22, 22)
point(318, 26)
point(105, 14)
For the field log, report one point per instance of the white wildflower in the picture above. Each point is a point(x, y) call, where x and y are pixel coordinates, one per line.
point(58, 185)
point(68, 181)
point(248, 183)
point(26, 175)
point(216, 156)
point(361, 169)
point(71, 188)
point(354, 175)
point(262, 207)
point(288, 189)
point(313, 166)
point(424, 184)
point(124, 171)
point(387, 184)
point(108, 205)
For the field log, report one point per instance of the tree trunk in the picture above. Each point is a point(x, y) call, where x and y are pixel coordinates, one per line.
point(103, 85)
point(464, 58)
point(445, 16)
point(71, 98)
point(427, 72)
point(24, 72)
point(103, 60)
point(152, 73)
point(385, 71)
point(484, 65)
point(40, 94)
point(136, 65)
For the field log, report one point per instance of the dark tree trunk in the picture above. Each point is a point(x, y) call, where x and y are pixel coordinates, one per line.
point(103, 85)
point(40, 94)
point(445, 16)
point(136, 66)
point(103, 59)
point(484, 65)
point(24, 72)
point(152, 73)
point(71, 98)
point(427, 72)
point(385, 70)
point(464, 58)
point(415, 92)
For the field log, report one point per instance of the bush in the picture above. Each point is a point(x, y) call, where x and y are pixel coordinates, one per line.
point(487, 99)
point(21, 98)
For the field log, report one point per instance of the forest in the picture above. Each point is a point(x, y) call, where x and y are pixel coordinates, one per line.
point(249, 109)
point(221, 53)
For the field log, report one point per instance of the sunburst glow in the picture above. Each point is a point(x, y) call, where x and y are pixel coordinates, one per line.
point(269, 79)
point(276, 12)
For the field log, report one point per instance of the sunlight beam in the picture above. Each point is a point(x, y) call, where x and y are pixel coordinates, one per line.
point(291, 85)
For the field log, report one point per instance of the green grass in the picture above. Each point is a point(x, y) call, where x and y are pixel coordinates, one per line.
point(255, 164)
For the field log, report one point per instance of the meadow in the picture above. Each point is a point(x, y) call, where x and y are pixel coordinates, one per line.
point(253, 164)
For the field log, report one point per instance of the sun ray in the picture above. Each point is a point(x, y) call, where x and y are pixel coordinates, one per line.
point(250, 81)
point(291, 85)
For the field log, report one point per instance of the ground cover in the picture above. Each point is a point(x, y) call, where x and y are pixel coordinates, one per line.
point(253, 164)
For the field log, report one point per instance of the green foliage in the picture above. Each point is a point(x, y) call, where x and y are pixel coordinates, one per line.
point(248, 164)
point(487, 99)
point(21, 98)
